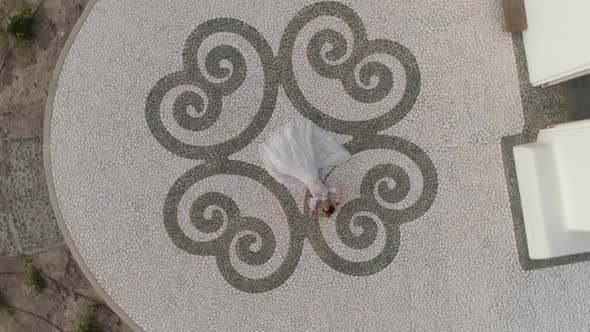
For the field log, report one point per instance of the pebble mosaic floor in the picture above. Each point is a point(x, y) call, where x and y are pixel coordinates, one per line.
point(154, 124)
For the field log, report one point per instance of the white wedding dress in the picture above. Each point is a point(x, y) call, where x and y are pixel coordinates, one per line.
point(303, 154)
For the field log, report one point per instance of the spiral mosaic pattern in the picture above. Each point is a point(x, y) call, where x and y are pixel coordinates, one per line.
point(278, 71)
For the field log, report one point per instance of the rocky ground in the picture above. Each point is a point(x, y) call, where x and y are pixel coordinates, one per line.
point(27, 224)
point(63, 302)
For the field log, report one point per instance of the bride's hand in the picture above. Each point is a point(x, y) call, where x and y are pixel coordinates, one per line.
point(313, 215)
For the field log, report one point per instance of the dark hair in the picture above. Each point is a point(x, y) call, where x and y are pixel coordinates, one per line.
point(331, 210)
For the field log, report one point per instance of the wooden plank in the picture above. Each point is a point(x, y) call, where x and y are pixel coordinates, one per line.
point(514, 15)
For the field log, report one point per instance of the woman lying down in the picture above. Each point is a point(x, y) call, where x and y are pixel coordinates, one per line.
point(302, 154)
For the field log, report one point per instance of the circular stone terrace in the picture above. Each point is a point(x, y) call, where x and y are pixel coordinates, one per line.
point(154, 120)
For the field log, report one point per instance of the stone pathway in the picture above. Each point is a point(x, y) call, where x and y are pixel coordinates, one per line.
point(27, 223)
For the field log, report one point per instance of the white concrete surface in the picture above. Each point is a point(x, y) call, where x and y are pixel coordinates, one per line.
point(553, 181)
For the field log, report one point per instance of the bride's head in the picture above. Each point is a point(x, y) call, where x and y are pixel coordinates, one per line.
point(327, 207)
